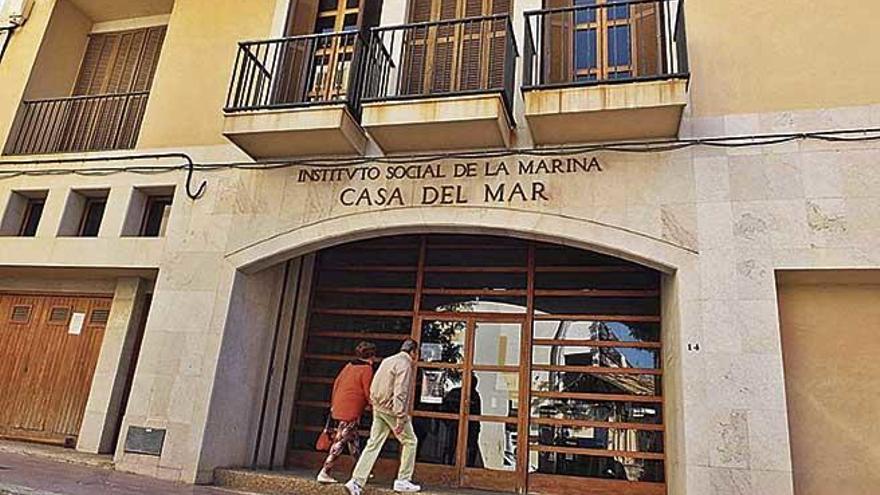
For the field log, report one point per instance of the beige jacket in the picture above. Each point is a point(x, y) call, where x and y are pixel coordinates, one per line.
point(390, 390)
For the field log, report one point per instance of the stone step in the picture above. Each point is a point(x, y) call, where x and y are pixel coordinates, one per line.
point(302, 482)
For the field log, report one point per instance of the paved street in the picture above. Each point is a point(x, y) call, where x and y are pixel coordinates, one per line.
point(28, 475)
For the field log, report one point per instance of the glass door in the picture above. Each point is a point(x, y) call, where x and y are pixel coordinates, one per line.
point(492, 408)
point(466, 409)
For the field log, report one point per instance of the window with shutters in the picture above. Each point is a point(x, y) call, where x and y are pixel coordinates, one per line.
point(455, 57)
point(109, 97)
point(602, 41)
point(314, 63)
point(120, 62)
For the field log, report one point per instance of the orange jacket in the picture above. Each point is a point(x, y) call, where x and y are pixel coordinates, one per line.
point(351, 391)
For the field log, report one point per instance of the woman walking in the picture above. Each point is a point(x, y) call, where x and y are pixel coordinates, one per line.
point(351, 394)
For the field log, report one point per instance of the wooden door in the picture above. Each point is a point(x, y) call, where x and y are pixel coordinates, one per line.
point(47, 364)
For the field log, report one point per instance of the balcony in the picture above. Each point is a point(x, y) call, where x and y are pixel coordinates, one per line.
point(604, 72)
point(297, 96)
point(78, 124)
point(441, 85)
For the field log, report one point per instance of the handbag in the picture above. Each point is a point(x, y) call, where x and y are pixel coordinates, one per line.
point(325, 439)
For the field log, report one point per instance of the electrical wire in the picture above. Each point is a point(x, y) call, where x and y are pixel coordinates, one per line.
point(648, 146)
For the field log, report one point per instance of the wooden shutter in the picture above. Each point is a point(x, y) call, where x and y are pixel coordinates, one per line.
point(120, 62)
point(94, 70)
point(415, 51)
point(441, 48)
point(497, 49)
point(645, 39)
point(455, 57)
point(149, 60)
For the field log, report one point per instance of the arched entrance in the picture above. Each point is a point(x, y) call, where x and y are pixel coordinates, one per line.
point(558, 348)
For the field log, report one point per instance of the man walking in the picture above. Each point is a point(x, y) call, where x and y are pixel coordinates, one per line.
point(390, 393)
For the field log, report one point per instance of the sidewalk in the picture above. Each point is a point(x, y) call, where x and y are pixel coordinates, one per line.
point(22, 474)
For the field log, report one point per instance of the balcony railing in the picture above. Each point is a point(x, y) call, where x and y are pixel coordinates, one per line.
point(605, 43)
point(79, 123)
point(297, 71)
point(454, 57)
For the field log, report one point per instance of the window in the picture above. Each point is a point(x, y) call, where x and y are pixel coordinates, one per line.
point(23, 213)
point(603, 40)
point(31, 220)
point(83, 213)
point(93, 213)
point(156, 216)
point(148, 212)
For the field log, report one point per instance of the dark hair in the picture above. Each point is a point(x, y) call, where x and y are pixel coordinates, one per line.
point(365, 350)
point(409, 345)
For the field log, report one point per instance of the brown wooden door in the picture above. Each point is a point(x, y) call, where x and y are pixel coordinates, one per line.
point(46, 367)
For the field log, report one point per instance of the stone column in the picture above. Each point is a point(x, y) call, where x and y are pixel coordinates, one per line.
point(114, 362)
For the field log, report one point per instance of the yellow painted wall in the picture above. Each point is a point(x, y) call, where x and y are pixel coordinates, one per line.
point(189, 92)
point(61, 53)
point(15, 68)
point(747, 56)
point(830, 325)
point(752, 56)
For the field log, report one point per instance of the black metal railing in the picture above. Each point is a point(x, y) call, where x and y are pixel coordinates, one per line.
point(78, 123)
point(298, 71)
point(605, 43)
point(451, 57)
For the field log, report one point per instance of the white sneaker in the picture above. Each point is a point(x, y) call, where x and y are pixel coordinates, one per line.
point(353, 488)
point(406, 486)
point(326, 478)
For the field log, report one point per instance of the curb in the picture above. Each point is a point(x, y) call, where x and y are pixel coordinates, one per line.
point(6, 489)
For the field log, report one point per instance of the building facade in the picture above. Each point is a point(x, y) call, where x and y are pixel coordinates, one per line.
point(642, 235)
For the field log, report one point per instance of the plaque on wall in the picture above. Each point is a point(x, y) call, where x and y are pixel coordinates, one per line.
point(148, 441)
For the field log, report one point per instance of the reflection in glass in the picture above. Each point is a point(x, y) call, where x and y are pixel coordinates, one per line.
point(640, 306)
point(474, 304)
point(496, 392)
point(491, 445)
point(497, 344)
point(443, 341)
point(611, 357)
point(611, 383)
point(619, 468)
point(597, 330)
point(598, 438)
point(437, 440)
point(597, 410)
